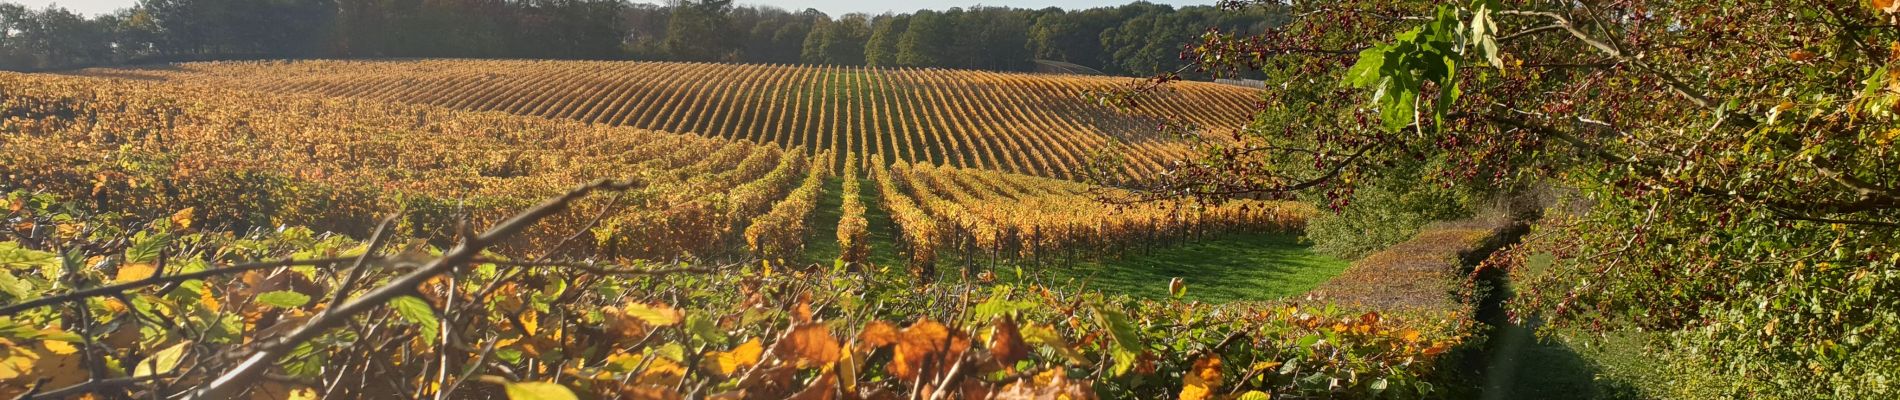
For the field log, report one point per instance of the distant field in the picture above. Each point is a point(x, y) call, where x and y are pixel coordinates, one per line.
point(1043, 125)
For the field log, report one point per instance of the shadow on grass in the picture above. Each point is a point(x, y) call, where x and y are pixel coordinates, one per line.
point(1525, 365)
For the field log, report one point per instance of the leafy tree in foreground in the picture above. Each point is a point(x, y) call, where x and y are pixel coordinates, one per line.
point(1726, 170)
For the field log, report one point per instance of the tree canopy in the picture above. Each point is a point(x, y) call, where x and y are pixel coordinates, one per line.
point(1718, 177)
point(1138, 38)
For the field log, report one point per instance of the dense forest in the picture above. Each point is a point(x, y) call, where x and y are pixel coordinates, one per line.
point(1137, 38)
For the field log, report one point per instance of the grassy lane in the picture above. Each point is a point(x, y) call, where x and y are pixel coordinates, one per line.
point(1238, 266)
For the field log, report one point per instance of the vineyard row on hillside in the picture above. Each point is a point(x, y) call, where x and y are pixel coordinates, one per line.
point(971, 213)
point(340, 164)
point(1028, 124)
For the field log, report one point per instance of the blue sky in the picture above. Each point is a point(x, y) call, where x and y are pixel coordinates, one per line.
point(834, 7)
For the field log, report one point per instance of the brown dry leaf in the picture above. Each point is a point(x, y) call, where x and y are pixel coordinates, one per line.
point(877, 334)
point(134, 272)
point(648, 392)
point(974, 389)
point(826, 388)
point(662, 372)
point(725, 363)
point(1006, 343)
point(771, 383)
point(620, 324)
point(808, 345)
point(1203, 380)
point(920, 346)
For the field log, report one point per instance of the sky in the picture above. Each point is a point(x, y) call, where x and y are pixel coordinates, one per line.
point(834, 7)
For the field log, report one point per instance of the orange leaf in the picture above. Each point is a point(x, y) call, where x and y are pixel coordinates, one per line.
point(1203, 380)
point(877, 334)
point(915, 345)
point(725, 363)
point(809, 345)
point(802, 312)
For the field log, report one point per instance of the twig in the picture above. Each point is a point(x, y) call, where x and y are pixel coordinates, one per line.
point(91, 385)
point(357, 270)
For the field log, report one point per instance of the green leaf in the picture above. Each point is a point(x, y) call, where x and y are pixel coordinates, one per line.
point(1365, 72)
point(704, 329)
point(1254, 395)
point(1126, 336)
point(284, 299)
point(419, 312)
point(1377, 386)
point(12, 256)
point(162, 362)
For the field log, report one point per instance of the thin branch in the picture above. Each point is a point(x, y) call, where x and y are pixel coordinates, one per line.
point(376, 242)
point(91, 385)
point(1675, 84)
point(267, 351)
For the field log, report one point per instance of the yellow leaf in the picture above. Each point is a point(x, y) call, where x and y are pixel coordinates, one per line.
point(60, 348)
point(664, 372)
point(162, 362)
point(537, 391)
point(654, 315)
point(183, 218)
point(530, 322)
point(133, 272)
point(728, 362)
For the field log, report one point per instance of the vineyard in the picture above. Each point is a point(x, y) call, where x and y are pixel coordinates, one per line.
point(1383, 200)
point(682, 286)
point(1027, 124)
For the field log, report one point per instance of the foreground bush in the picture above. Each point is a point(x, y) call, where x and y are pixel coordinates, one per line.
point(161, 309)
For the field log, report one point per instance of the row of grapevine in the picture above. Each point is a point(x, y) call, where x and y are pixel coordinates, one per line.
point(983, 213)
point(914, 227)
point(1039, 125)
point(780, 234)
point(340, 163)
point(854, 231)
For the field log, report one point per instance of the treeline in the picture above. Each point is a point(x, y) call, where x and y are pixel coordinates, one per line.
point(1137, 38)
